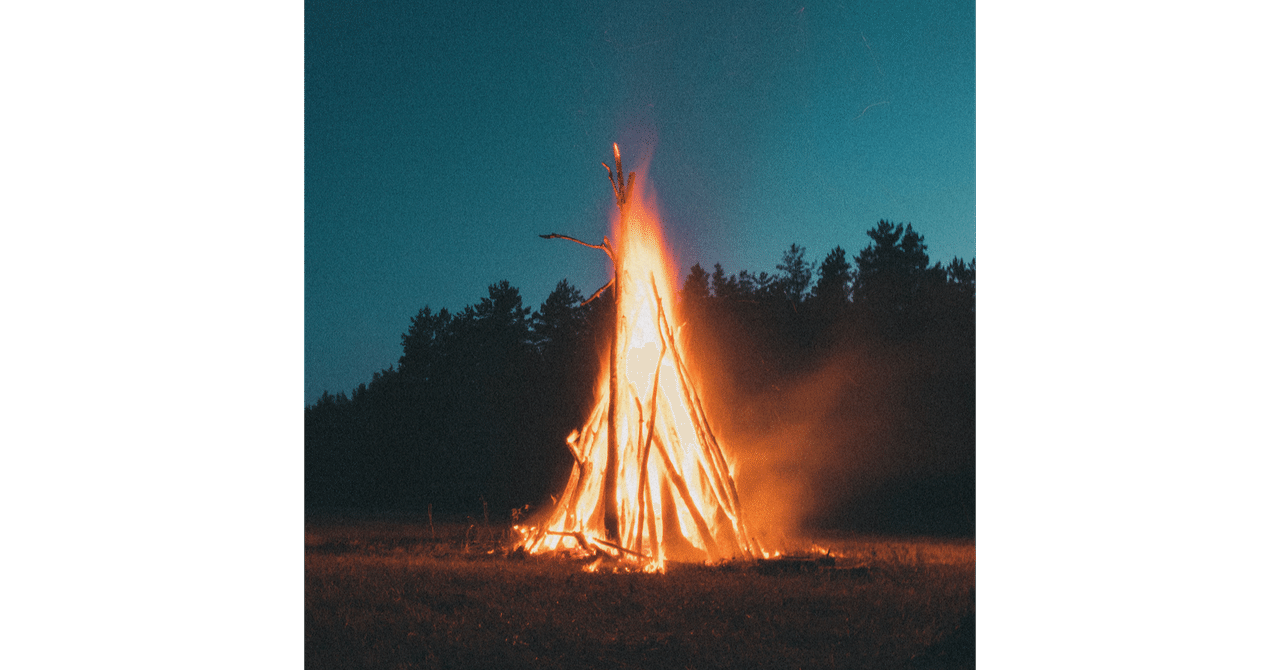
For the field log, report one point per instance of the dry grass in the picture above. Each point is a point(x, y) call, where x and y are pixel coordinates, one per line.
point(404, 595)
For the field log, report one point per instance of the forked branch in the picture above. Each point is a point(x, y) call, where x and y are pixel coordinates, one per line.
point(621, 187)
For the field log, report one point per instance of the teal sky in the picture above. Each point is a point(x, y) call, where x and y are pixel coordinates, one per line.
point(441, 139)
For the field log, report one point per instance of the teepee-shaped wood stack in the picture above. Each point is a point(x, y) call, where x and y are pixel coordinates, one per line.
point(650, 482)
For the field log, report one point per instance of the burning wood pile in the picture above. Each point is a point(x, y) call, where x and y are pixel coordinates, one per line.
point(650, 481)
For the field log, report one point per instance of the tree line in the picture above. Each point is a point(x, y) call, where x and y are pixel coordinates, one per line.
point(474, 415)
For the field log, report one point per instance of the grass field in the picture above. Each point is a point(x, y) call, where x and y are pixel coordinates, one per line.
point(401, 594)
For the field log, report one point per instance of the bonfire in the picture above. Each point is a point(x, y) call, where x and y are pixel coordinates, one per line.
point(650, 481)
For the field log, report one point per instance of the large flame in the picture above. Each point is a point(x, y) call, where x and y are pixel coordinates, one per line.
point(673, 496)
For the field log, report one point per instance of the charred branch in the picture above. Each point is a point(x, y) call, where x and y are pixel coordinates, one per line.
point(619, 548)
point(595, 295)
point(577, 535)
point(621, 187)
point(609, 491)
point(606, 247)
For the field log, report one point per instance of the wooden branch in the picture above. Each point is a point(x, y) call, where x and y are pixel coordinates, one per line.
point(580, 474)
point(653, 524)
point(572, 443)
point(595, 295)
point(653, 416)
point(712, 547)
point(577, 535)
point(722, 483)
point(608, 496)
point(705, 436)
point(718, 498)
point(703, 427)
point(725, 488)
point(644, 450)
point(616, 193)
point(609, 486)
point(587, 437)
point(582, 437)
point(602, 247)
point(637, 537)
point(571, 505)
point(621, 185)
point(618, 547)
point(585, 542)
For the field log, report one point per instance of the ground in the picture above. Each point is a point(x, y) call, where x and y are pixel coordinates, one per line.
point(418, 594)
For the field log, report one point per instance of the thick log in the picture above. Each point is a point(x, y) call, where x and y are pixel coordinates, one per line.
point(622, 193)
point(609, 492)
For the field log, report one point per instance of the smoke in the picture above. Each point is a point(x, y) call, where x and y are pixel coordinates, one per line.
point(852, 441)
point(806, 446)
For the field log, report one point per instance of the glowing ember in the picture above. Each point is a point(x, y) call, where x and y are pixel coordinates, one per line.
point(650, 482)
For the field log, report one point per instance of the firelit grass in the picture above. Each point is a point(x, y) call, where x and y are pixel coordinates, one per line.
point(386, 595)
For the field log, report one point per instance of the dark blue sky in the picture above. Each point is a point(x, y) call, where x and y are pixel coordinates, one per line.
point(442, 138)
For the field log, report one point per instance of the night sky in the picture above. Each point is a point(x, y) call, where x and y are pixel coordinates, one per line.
point(441, 139)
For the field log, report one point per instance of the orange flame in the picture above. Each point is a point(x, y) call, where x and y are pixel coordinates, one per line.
point(674, 495)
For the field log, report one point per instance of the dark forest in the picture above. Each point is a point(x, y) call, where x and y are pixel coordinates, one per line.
point(846, 386)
